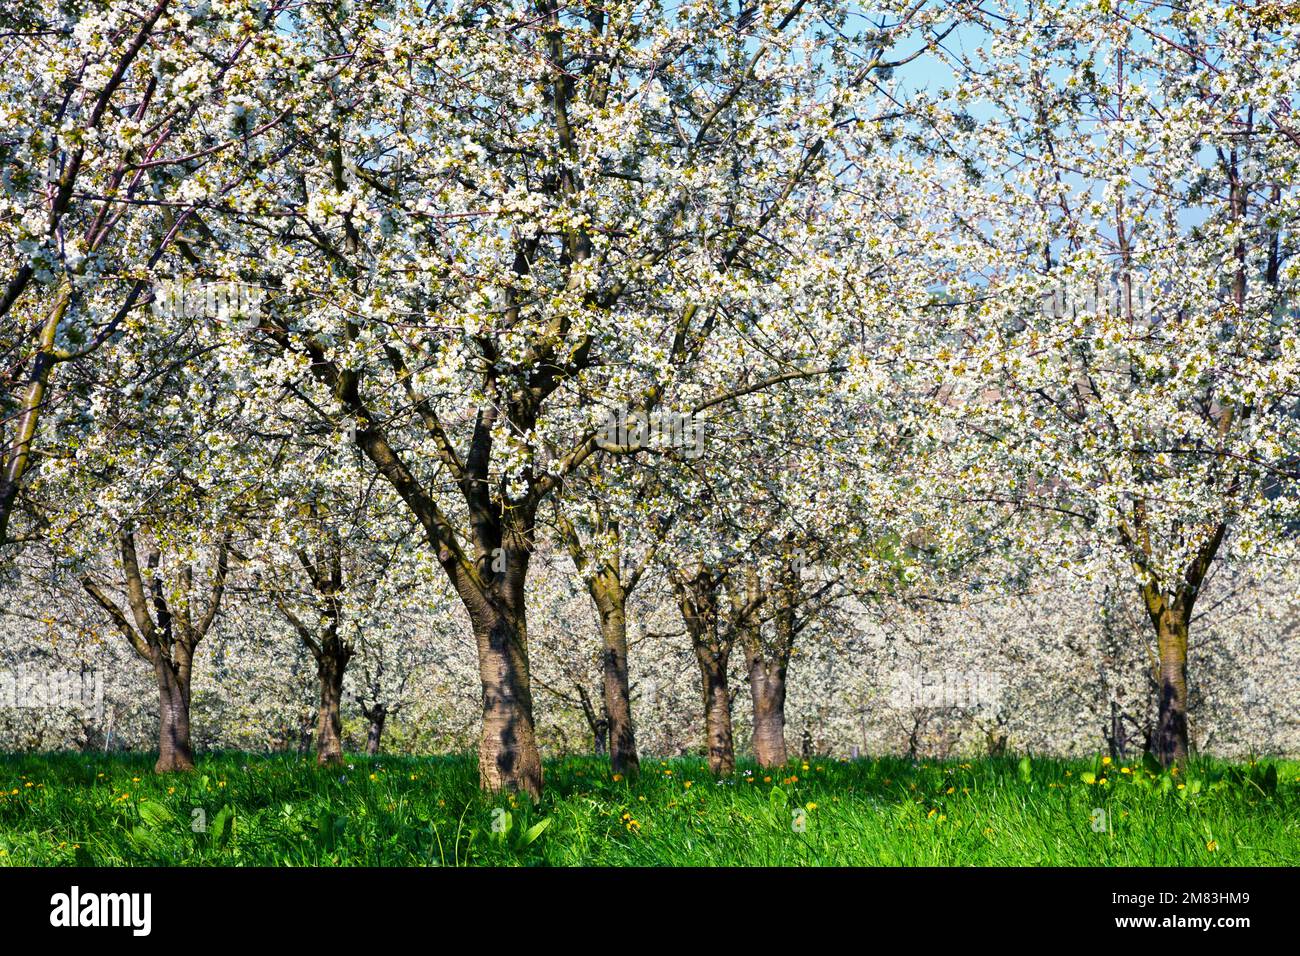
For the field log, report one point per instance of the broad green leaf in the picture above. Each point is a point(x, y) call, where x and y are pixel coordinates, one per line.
point(155, 815)
point(223, 826)
point(534, 831)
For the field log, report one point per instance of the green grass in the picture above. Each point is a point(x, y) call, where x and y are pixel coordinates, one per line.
point(73, 809)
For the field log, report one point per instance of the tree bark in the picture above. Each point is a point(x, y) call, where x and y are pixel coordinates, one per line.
point(609, 589)
point(614, 677)
point(697, 598)
point(329, 719)
point(1171, 614)
point(717, 713)
point(508, 755)
point(767, 691)
point(377, 717)
point(1171, 724)
point(767, 662)
point(175, 752)
point(712, 638)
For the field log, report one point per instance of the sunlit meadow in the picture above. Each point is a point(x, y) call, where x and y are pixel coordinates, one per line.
point(254, 810)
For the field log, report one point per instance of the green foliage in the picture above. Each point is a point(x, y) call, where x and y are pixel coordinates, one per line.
point(241, 809)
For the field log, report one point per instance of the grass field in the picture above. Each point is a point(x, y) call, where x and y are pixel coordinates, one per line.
point(245, 809)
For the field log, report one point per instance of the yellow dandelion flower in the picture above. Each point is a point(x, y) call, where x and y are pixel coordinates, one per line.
point(1211, 845)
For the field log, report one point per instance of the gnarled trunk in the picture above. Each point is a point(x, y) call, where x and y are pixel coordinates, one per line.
point(329, 719)
point(508, 755)
point(767, 691)
point(174, 750)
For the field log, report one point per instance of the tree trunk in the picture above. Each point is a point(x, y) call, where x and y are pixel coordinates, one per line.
point(377, 717)
point(618, 699)
point(767, 690)
point(1171, 615)
point(717, 713)
point(329, 719)
point(697, 598)
point(174, 750)
point(508, 755)
point(1171, 725)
